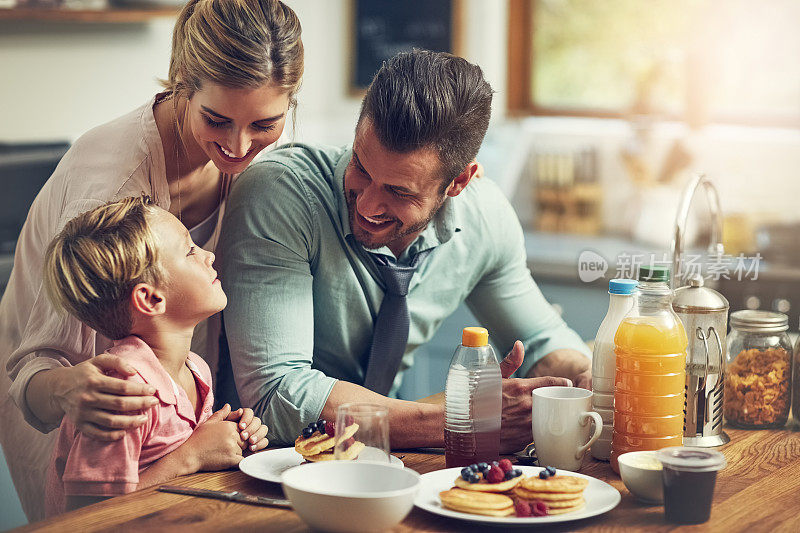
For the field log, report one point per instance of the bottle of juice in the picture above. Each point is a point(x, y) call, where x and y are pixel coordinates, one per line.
point(649, 386)
point(620, 292)
point(473, 402)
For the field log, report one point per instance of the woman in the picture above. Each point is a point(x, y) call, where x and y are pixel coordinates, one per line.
point(235, 68)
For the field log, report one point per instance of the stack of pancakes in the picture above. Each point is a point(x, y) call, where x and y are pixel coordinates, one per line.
point(319, 446)
point(480, 498)
point(561, 494)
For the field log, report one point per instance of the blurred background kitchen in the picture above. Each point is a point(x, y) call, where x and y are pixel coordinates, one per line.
point(604, 109)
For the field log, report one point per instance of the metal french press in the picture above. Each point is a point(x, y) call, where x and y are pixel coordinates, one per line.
point(704, 313)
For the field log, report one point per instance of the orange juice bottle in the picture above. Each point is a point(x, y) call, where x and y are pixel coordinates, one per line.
point(649, 383)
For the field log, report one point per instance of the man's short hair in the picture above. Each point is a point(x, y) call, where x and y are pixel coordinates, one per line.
point(93, 264)
point(424, 99)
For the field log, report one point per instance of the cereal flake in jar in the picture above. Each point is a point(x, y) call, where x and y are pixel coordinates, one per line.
point(758, 377)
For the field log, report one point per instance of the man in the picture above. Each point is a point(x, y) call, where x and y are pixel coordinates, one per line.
point(339, 263)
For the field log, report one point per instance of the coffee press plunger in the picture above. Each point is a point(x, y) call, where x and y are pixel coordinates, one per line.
point(704, 314)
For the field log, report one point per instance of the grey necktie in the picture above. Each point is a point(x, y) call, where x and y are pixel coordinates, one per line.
point(390, 334)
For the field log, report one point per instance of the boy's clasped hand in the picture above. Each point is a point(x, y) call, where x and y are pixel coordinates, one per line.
point(220, 442)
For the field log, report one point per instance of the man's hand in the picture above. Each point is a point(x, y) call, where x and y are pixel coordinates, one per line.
point(516, 432)
point(101, 406)
point(566, 363)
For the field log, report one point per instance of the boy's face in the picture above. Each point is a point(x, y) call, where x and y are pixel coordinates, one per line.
point(191, 289)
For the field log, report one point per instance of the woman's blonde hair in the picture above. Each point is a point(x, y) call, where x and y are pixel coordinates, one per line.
point(94, 263)
point(237, 44)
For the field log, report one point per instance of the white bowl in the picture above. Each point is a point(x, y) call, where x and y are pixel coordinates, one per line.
point(642, 479)
point(351, 496)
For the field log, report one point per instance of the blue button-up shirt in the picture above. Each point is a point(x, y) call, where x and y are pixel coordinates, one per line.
point(303, 297)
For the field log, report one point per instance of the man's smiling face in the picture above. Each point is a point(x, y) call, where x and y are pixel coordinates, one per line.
point(391, 197)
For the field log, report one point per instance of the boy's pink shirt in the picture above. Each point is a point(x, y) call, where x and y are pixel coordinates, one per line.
point(82, 466)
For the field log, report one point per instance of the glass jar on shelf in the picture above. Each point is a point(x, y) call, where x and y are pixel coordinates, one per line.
point(758, 377)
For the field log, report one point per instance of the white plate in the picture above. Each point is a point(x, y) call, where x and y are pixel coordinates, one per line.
point(600, 498)
point(270, 464)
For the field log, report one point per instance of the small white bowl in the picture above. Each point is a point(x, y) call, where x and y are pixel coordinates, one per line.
point(351, 496)
point(641, 477)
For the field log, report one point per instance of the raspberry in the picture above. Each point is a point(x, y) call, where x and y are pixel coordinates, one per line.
point(330, 429)
point(495, 475)
point(349, 442)
point(522, 508)
point(505, 465)
point(349, 420)
point(538, 508)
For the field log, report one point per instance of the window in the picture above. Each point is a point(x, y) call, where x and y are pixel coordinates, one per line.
point(695, 60)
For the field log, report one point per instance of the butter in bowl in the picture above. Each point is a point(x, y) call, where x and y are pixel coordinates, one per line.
point(641, 474)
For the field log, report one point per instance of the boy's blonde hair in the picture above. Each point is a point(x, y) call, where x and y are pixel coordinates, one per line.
point(94, 263)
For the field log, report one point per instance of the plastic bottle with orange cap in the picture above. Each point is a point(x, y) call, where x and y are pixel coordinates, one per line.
point(473, 402)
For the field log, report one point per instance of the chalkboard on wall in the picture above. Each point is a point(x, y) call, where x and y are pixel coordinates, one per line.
point(383, 28)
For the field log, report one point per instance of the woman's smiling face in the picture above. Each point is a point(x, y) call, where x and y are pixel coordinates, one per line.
point(232, 126)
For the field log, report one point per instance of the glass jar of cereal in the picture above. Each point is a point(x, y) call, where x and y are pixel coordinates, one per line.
point(758, 377)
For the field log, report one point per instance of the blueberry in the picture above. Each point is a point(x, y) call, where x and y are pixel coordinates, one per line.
point(515, 473)
point(495, 463)
point(509, 475)
point(321, 426)
point(307, 432)
point(544, 474)
point(551, 470)
point(473, 467)
point(466, 473)
point(312, 426)
point(483, 467)
point(473, 478)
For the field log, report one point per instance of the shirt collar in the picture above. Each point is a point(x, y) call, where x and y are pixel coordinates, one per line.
point(440, 229)
point(140, 356)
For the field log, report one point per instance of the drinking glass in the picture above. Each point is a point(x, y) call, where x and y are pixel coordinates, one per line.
point(362, 433)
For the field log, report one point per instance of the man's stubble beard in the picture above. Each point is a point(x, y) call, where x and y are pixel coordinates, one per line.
point(399, 231)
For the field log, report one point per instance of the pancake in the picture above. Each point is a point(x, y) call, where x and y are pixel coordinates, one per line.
point(564, 511)
point(473, 501)
point(485, 486)
point(350, 454)
point(320, 442)
point(558, 483)
point(545, 496)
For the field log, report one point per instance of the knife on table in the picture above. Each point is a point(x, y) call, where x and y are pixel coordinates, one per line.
point(232, 496)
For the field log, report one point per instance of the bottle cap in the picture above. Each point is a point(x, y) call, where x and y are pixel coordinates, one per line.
point(756, 321)
point(691, 459)
point(475, 337)
point(622, 286)
point(654, 273)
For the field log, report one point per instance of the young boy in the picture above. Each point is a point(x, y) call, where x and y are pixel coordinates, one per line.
point(130, 271)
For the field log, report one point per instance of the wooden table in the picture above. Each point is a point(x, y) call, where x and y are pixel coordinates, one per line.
point(759, 490)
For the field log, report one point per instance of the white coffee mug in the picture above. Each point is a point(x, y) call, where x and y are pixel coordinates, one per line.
point(561, 422)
